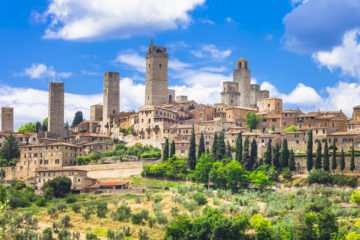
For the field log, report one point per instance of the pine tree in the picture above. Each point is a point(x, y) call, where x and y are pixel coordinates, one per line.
point(352, 161)
point(213, 149)
point(10, 148)
point(309, 153)
point(342, 160)
point(253, 155)
point(192, 150)
point(239, 147)
point(246, 154)
point(201, 148)
point(333, 159)
point(318, 156)
point(172, 148)
point(292, 165)
point(284, 155)
point(78, 118)
point(220, 147)
point(268, 153)
point(326, 163)
point(228, 150)
point(276, 156)
point(166, 150)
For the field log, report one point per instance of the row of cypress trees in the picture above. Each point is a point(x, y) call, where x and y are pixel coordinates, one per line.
point(280, 158)
point(322, 158)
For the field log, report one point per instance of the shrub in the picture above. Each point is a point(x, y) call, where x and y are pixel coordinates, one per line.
point(64, 234)
point(122, 213)
point(41, 202)
point(137, 219)
point(161, 218)
point(76, 208)
point(143, 235)
point(199, 198)
point(157, 198)
point(343, 180)
point(65, 221)
point(151, 222)
point(355, 197)
point(319, 176)
point(47, 234)
point(61, 207)
point(87, 213)
point(91, 236)
point(51, 211)
point(101, 209)
point(70, 199)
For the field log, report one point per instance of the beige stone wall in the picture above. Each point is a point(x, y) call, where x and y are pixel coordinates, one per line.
point(56, 110)
point(7, 119)
point(96, 112)
point(111, 95)
point(156, 83)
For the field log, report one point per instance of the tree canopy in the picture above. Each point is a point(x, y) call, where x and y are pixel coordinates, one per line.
point(252, 120)
point(78, 118)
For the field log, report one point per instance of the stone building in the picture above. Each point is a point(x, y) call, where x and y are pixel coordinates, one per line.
point(111, 95)
point(156, 83)
point(7, 119)
point(240, 92)
point(96, 112)
point(56, 110)
point(78, 177)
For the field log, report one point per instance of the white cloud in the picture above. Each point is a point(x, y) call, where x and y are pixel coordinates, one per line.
point(99, 19)
point(210, 50)
point(199, 93)
point(214, 69)
point(89, 73)
point(41, 71)
point(204, 78)
point(345, 57)
point(253, 80)
point(207, 21)
point(229, 20)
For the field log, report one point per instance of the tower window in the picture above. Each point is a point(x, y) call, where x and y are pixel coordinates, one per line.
point(149, 65)
point(159, 65)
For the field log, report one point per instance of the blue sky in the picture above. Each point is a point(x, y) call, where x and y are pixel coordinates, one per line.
point(305, 51)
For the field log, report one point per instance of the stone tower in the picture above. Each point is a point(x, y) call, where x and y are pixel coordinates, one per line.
point(7, 119)
point(241, 75)
point(156, 85)
point(230, 94)
point(56, 110)
point(254, 94)
point(111, 96)
point(96, 112)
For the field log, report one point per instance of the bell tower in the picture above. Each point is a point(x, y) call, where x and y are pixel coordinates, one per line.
point(156, 83)
point(242, 76)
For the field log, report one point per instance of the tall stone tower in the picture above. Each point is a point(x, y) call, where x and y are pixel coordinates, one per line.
point(230, 94)
point(156, 85)
point(111, 96)
point(7, 119)
point(56, 110)
point(241, 75)
point(96, 112)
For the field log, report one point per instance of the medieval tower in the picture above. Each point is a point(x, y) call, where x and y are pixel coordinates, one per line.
point(56, 109)
point(242, 76)
point(156, 85)
point(111, 95)
point(7, 119)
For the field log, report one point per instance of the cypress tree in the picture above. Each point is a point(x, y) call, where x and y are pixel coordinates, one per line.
point(220, 147)
point(172, 148)
point(276, 156)
point(207, 151)
point(78, 118)
point(239, 147)
point(292, 165)
point(326, 163)
point(253, 155)
point(246, 154)
point(268, 153)
point(201, 148)
point(309, 153)
point(333, 159)
point(228, 150)
point(192, 150)
point(318, 156)
point(166, 150)
point(213, 149)
point(284, 155)
point(342, 160)
point(10, 148)
point(352, 161)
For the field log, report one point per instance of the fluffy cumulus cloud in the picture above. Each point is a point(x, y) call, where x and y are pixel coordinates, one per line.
point(41, 71)
point(317, 25)
point(32, 104)
point(345, 57)
point(99, 19)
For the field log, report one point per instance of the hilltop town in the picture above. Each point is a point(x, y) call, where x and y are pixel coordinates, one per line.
point(167, 116)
